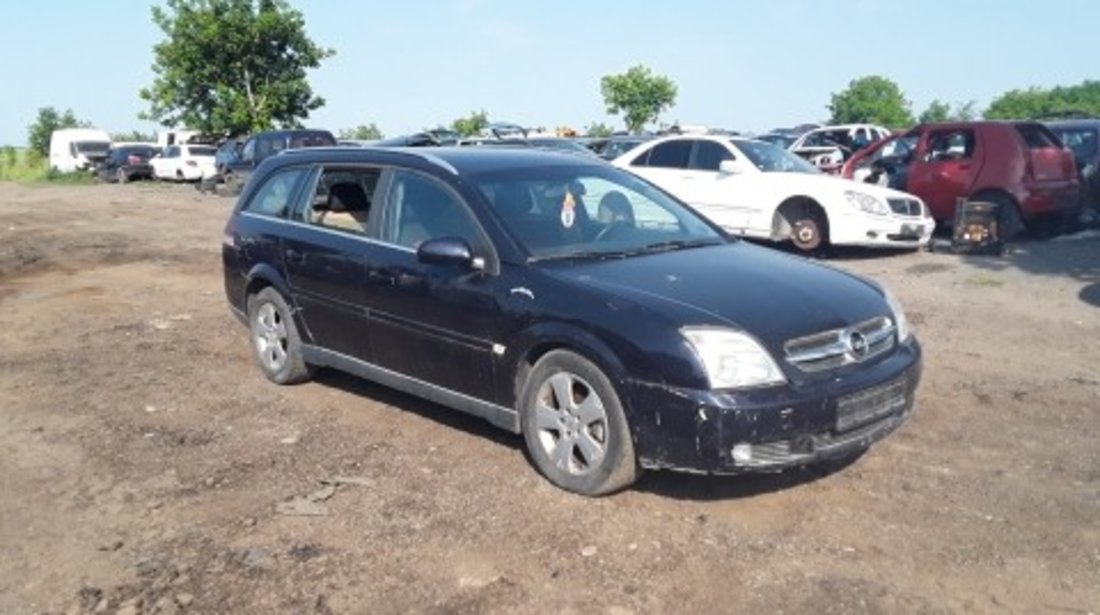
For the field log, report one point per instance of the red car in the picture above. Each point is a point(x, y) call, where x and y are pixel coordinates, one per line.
point(1020, 165)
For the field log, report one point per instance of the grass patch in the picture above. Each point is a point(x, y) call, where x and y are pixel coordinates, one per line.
point(984, 280)
point(22, 165)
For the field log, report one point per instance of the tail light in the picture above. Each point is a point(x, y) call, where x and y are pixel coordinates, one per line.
point(133, 160)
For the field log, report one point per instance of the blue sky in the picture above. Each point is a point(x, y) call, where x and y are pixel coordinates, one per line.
point(411, 64)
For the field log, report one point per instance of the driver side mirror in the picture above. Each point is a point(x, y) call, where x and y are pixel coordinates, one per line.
point(729, 167)
point(448, 251)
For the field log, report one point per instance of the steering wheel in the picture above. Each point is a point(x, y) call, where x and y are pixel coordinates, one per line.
point(611, 228)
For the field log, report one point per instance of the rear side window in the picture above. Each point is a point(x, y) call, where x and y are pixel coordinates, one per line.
point(709, 156)
point(1037, 136)
point(273, 198)
point(670, 154)
point(342, 200)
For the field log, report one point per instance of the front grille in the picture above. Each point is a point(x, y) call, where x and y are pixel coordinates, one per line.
point(905, 207)
point(871, 404)
point(839, 347)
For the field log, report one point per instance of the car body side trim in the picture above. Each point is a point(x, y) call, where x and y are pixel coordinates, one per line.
point(505, 418)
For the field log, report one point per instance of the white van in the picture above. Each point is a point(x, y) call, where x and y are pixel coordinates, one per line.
point(78, 149)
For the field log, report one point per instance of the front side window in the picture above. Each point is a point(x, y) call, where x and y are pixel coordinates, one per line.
point(249, 150)
point(342, 200)
point(771, 159)
point(420, 208)
point(709, 156)
point(589, 211)
point(274, 196)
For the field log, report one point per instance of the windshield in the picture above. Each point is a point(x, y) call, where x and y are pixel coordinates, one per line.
point(771, 159)
point(1081, 141)
point(562, 144)
point(590, 212)
point(783, 141)
point(92, 147)
point(828, 138)
point(201, 150)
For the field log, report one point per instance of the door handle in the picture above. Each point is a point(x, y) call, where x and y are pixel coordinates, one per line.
point(381, 277)
point(294, 256)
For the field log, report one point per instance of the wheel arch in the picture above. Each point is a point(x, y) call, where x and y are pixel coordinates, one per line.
point(263, 276)
point(785, 214)
point(535, 342)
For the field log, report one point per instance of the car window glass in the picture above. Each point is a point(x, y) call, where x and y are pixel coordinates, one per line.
point(264, 147)
point(420, 208)
point(671, 154)
point(249, 151)
point(709, 155)
point(944, 145)
point(605, 202)
point(342, 200)
point(273, 197)
point(1081, 141)
point(1036, 136)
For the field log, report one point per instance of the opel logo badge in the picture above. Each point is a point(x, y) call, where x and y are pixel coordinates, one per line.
point(857, 345)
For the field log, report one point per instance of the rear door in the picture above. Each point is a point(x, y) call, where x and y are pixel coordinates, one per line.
point(722, 197)
point(324, 252)
point(1049, 161)
point(666, 164)
point(945, 168)
point(435, 323)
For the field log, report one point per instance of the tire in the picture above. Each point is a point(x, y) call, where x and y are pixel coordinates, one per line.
point(809, 228)
point(121, 176)
point(1009, 222)
point(275, 340)
point(584, 445)
point(179, 176)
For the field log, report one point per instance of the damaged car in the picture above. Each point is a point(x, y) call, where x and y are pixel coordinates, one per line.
point(568, 301)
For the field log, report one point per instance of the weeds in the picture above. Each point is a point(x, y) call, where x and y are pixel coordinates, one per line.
point(21, 165)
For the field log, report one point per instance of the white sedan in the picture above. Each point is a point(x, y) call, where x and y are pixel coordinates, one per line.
point(185, 163)
point(756, 189)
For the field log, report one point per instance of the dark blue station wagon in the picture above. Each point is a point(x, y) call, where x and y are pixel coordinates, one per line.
point(568, 301)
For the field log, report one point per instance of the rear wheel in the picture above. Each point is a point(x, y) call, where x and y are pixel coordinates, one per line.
point(1009, 222)
point(275, 339)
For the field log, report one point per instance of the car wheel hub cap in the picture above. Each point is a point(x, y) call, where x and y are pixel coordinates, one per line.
point(270, 337)
point(571, 424)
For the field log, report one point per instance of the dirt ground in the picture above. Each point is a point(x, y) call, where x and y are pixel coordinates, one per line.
point(147, 466)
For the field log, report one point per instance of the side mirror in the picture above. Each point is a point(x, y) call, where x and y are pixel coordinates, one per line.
point(729, 167)
point(448, 251)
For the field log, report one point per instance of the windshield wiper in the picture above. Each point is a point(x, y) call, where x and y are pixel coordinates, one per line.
point(674, 244)
point(583, 255)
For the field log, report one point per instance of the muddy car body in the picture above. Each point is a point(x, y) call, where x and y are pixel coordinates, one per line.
point(510, 284)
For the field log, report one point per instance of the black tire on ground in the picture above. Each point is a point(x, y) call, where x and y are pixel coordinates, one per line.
point(179, 175)
point(553, 429)
point(1009, 222)
point(809, 227)
point(276, 344)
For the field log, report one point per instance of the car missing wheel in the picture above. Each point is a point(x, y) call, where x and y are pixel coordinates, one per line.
point(566, 300)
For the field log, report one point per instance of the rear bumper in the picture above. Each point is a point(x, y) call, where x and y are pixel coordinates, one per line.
point(769, 430)
point(1049, 197)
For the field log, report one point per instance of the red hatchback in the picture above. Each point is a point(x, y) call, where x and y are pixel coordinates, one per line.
point(1020, 165)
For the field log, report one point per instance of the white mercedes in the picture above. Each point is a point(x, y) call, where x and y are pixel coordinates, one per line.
point(756, 189)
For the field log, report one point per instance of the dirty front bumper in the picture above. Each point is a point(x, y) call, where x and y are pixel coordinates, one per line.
point(723, 432)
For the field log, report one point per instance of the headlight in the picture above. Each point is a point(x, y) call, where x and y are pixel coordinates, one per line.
point(899, 316)
point(733, 359)
point(866, 202)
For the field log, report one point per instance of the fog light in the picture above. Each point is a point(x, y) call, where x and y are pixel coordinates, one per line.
point(742, 453)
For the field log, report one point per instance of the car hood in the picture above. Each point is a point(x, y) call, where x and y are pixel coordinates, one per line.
point(815, 184)
point(774, 296)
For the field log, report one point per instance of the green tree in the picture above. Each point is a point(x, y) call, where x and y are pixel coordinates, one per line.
point(639, 95)
point(232, 66)
point(1035, 102)
point(874, 100)
point(362, 132)
point(47, 121)
point(599, 130)
point(939, 111)
point(472, 124)
point(134, 136)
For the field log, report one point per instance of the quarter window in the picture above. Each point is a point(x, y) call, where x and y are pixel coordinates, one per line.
point(420, 208)
point(274, 196)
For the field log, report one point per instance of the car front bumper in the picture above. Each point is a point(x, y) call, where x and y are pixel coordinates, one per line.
point(718, 432)
point(882, 231)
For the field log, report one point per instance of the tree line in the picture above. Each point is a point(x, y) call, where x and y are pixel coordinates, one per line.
point(234, 67)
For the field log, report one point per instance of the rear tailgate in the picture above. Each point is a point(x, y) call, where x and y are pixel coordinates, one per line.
point(1048, 160)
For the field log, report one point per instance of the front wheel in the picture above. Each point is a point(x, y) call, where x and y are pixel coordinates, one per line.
point(275, 339)
point(809, 230)
point(574, 426)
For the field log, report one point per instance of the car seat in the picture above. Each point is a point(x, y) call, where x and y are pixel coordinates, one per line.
point(348, 208)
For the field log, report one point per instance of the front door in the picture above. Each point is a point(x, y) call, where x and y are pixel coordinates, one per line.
point(436, 323)
point(944, 169)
